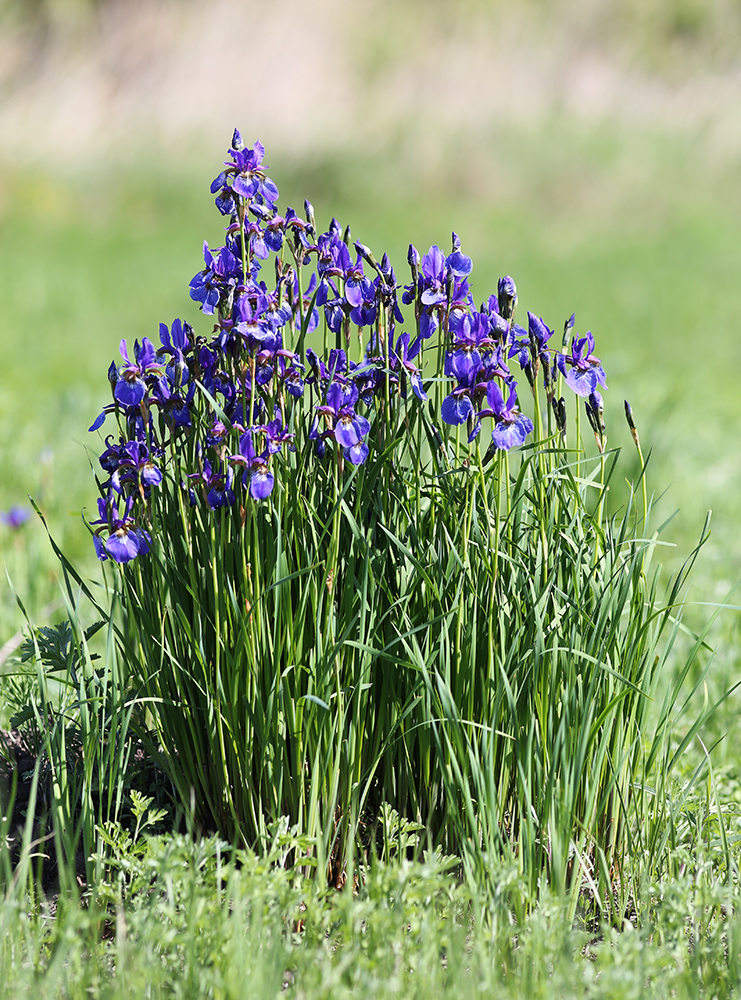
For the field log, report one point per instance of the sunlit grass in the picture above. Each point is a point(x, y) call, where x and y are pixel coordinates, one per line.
point(641, 242)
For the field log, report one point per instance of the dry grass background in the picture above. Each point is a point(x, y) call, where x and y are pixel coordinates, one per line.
point(83, 77)
point(612, 128)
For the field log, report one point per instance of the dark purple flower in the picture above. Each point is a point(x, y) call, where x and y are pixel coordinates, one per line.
point(126, 540)
point(218, 482)
point(457, 407)
point(135, 465)
point(585, 371)
point(432, 278)
point(539, 335)
point(173, 404)
point(276, 434)
point(249, 178)
point(357, 454)
point(257, 476)
point(511, 427)
point(292, 376)
point(14, 517)
point(457, 262)
point(346, 426)
point(179, 338)
point(405, 355)
point(219, 275)
point(349, 427)
point(131, 387)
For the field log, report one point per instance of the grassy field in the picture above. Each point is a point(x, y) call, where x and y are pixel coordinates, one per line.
point(638, 237)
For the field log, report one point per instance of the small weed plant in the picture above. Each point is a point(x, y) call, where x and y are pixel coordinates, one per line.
point(362, 564)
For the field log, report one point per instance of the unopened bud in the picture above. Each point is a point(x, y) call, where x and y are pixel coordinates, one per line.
point(366, 253)
point(595, 410)
point(507, 297)
point(631, 424)
point(567, 328)
point(559, 412)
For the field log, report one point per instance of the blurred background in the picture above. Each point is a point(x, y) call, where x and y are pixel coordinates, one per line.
point(589, 148)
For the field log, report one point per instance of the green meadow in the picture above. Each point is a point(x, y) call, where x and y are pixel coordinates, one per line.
point(634, 231)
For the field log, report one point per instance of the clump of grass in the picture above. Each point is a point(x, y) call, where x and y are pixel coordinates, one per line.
point(333, 597)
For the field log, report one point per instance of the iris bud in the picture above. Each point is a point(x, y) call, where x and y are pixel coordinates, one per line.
point(507, 297)
point(567, 328)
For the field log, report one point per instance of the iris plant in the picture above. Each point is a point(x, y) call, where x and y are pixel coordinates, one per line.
point(251, 394)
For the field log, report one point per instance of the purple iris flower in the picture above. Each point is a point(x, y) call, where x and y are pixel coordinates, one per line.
point(130, 388)
point(176, 339)
point(219, 274)
point(218, 481)
point(364, 312)
point(276, 434)
point(462, 364)
point(217, 435)
point(172, 403)
point(126, 540)
point(498, 325)
point(274, 233)
point(405, 355)
point(354, 283)
point(292, 374)
point(334, 314)
point(176, 346)
point(14, 517)
point(585, 372)
point(301, 231)
point(494, 366)
point(539, 335)
point(319, 374)
point(349, 427)
point(224, 199)
point(457, 262)
point(457, 407)
point(135, 465)
point(344, 424)
point(250, 180)
point(432, 278)
point(257, 476)
point(530, 347)
point(465, 365)
point(511, 427)
point(111, 457)
point(258, 246)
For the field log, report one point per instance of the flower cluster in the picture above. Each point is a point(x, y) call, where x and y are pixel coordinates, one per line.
point(214, 416)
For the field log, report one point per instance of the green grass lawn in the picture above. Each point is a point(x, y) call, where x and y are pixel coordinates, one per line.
point(638, 235)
